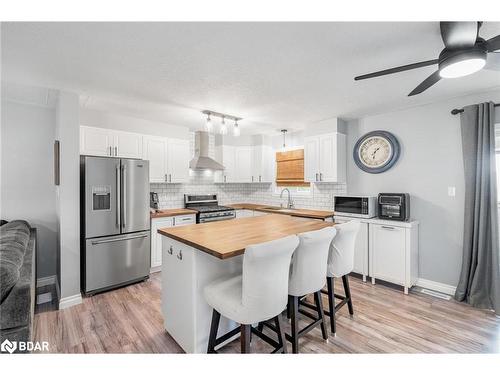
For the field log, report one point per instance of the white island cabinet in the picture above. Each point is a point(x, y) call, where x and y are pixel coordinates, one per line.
point(185, 273)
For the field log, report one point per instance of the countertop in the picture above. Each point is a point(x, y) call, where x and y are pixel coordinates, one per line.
point(229, 238)
point(298, 212)
point(172, 212)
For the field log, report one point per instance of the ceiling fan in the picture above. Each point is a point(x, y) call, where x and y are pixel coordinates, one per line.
point(465, 52)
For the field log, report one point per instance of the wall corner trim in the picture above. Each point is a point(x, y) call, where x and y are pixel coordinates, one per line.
point(69, 301)
point(438, 287)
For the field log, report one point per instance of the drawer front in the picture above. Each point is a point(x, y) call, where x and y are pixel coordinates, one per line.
point(387, 251)
point(184, 220)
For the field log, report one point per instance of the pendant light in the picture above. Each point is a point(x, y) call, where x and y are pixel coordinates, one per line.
point(284, 131)
point(208, 123)
point(236, 129)
point(223, 127)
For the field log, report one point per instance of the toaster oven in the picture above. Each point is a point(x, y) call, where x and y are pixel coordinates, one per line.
point(394, 206)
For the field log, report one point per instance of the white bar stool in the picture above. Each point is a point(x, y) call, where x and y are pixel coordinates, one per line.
point(307, 276)
point(258, 294)
point(340, 264)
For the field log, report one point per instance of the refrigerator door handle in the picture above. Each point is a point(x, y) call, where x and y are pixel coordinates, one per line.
point(124, 196)
point(118, 195)
point(97, 242)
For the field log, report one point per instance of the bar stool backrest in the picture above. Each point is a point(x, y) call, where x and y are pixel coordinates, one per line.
point(341, 257)
point(265, 275)
point(308, 269)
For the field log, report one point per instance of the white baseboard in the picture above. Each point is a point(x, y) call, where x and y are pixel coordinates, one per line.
point(48, 280)
point(66, 302)
point(438, 287)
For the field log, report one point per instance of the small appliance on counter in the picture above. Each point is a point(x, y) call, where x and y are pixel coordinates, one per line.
point(355, 206)
point(153, 200)
point(394, 206)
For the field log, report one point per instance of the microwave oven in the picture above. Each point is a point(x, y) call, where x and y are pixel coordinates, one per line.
point(355, 206)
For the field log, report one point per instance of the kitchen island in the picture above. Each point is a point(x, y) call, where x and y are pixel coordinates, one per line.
point(196, 255)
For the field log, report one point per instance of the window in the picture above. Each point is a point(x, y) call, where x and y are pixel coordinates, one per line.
point(290, 172)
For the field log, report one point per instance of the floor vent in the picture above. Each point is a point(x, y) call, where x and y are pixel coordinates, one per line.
point(43, 298)
point(435, 294)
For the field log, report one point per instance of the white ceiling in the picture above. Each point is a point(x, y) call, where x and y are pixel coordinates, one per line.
point(274, 75)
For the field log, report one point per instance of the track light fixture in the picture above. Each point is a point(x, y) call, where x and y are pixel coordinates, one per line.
point(209, 126)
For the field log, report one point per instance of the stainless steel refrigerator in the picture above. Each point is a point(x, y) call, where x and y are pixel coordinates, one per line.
point(115, 222)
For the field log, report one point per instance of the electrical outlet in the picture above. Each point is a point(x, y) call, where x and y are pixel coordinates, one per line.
point(451, 191)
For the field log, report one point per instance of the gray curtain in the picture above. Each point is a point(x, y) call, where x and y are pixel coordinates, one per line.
point(479, 283)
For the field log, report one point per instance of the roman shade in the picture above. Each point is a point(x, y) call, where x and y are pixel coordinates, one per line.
point(290, 168)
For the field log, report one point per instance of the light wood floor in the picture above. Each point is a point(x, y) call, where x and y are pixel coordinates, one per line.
point(129, 320)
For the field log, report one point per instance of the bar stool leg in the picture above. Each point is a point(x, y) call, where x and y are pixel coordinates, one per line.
point(330, 284)
point(281, 333)
point(347, 289)
point(214, 327)
point(245, 330)
point(293, 301)
point(321, 313)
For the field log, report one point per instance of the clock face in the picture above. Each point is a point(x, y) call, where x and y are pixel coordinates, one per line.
point(375, 152)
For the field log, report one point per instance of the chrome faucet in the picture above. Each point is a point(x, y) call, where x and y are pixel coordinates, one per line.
point(290, 201)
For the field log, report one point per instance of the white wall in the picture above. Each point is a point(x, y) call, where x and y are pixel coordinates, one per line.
point(431, 161)
point(27, 182)
point(68, 198)
point(107, 120)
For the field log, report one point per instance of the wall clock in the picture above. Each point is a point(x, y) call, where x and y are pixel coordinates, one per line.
point(376, 151)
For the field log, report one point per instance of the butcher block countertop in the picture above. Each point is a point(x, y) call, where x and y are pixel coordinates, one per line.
point(172, 212)
point(298, 212)
point(228, 238)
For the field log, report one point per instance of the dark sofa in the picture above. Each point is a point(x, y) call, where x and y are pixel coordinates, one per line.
point(17, 280)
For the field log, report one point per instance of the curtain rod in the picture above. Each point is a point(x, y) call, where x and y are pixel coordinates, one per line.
point(457, 111)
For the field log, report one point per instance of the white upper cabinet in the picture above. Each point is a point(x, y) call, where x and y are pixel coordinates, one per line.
point(226, 156)
point(127, 145)
point(107, 142)
point(168, 159)
point(325, 158)
point(243, 164)
point(263, 162)
point(155, 150)
point(96, 141)
point(178, 160)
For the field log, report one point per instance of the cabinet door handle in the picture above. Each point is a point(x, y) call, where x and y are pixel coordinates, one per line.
point(116, 151)
point(321, 176)
point(225, 178)
point(260, 178)
point(252, 178)
point(169, 178)
point(186, 219)
point(170, 250)
point(316, 177)
point(109, 150)
point(389, 228)
point(179, 256)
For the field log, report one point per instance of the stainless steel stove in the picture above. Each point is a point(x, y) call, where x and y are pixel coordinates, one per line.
point(208, 208)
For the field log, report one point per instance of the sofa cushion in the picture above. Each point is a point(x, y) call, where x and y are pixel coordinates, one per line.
point(14, 238)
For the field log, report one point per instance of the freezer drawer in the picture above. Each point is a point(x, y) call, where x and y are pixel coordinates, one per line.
point(115, 260)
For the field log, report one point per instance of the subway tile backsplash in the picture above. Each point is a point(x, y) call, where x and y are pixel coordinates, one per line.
point(202, 182)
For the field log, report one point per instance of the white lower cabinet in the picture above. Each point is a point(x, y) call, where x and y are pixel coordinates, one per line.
point(393, 253)
point(164, 222)
point(386, 250)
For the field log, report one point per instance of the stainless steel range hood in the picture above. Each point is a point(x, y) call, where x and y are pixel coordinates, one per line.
point(201, 159)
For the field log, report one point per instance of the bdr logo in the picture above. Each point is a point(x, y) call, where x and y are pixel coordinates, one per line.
point(23, 346)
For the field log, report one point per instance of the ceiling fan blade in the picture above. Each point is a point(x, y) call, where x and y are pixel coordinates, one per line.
point(493, 61)
point(459, 34)
point(428, 82)
point(397, 69)
point(493, 44)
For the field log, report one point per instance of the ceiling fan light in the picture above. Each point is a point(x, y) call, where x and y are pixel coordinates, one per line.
point(236, 129)
point(223, 127)
point(462, 68)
